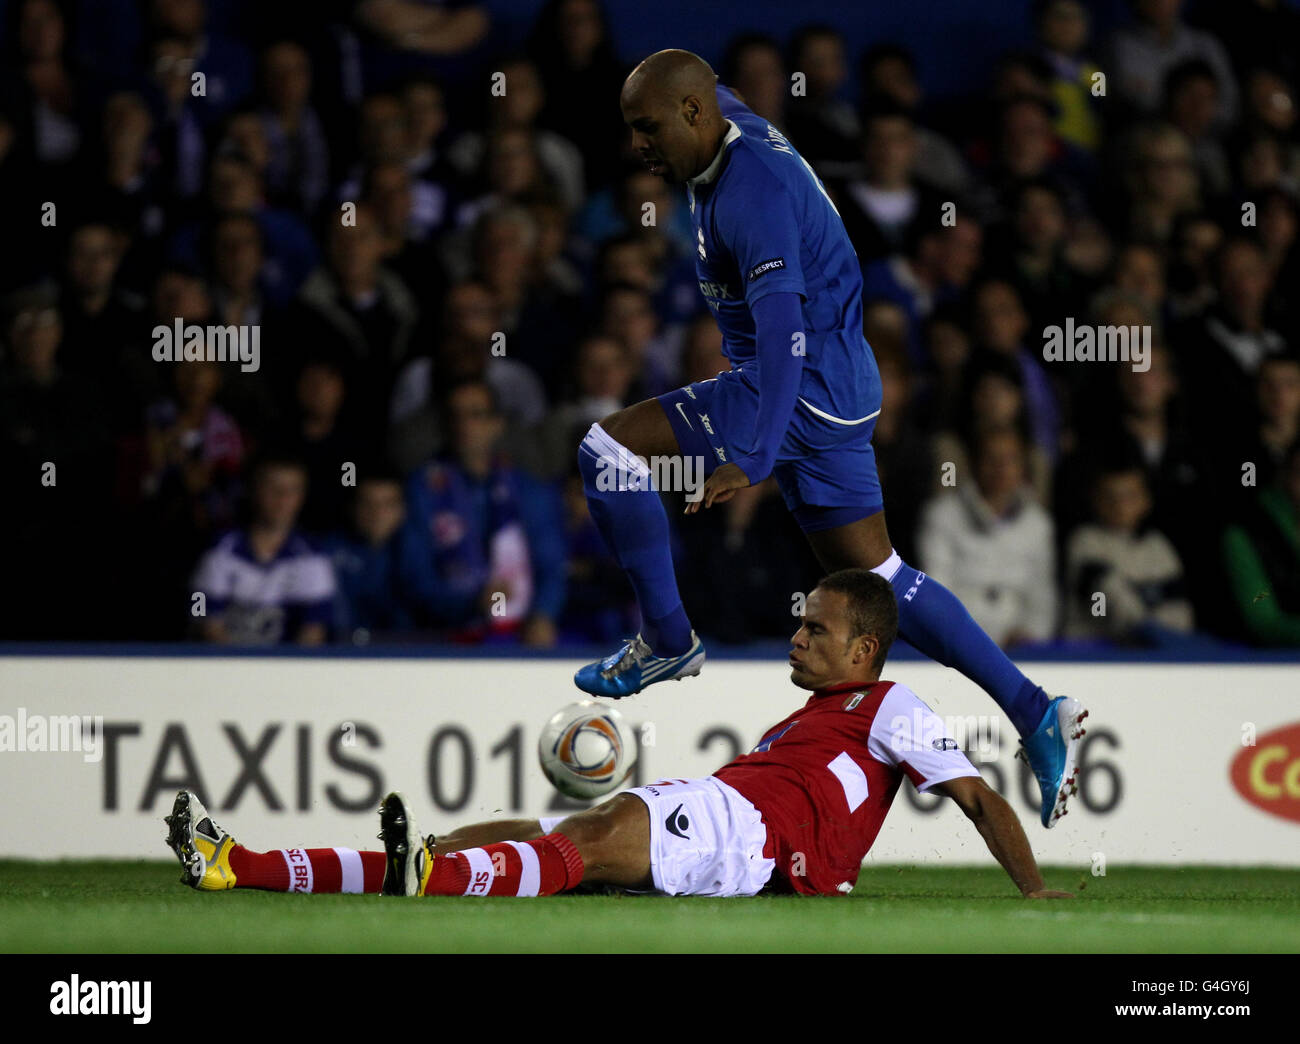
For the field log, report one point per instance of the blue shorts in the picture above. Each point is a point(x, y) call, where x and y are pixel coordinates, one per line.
point(826, 471)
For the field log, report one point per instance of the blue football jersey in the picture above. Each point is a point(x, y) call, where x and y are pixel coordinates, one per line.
point(765, 224)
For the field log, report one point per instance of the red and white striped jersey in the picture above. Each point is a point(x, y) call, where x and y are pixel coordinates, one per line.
point(823, 779)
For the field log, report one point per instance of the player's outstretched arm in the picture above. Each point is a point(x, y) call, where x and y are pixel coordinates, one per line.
point(1002, 832)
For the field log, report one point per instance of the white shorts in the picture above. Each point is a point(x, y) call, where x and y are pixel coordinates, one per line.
point(705, 838)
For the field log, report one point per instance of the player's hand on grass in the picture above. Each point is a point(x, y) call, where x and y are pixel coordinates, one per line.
point(1047, 893)
point(719, 487)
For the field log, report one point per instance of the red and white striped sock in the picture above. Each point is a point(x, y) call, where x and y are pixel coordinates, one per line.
point(543, 867)
point(308, 870)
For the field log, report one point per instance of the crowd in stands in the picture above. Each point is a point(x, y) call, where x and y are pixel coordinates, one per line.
point(450, 282)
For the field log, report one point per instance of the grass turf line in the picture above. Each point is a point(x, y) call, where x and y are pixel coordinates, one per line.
point(125, 907)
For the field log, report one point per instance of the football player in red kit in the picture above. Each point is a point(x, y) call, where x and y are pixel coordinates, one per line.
point(796, 814)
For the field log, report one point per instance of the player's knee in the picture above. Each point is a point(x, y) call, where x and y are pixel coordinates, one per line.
point(613, 833)
point(617, 427)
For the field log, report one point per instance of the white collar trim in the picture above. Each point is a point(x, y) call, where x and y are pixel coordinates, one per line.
point(711, 171)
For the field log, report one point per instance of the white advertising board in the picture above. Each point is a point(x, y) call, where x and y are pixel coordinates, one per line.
point(299, 751)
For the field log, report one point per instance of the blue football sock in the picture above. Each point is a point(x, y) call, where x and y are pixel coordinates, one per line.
point(931, 619)
point(630, 516)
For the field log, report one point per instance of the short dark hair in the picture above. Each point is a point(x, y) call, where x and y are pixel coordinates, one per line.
point(872, 607)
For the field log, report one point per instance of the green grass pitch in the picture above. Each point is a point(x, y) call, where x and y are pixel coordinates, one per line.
point(117, 907)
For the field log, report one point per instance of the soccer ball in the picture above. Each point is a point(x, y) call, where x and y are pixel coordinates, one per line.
point(586, 749)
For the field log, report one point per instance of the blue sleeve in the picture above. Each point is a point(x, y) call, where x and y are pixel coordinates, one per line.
point(777, 318)
point(756, 222)
point(543, 521)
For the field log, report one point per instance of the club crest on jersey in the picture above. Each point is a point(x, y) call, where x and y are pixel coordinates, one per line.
point(854, 700)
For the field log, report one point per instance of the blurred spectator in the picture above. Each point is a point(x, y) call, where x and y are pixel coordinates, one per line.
point(754, 68)
point(393, 226)
point(1143, 54)
point(1266, 442)
point(936, 269)
point(882, 209)
point(298, 168)
point(904, 459)
point(1003, 327)
point(1124, 580)
point(380, 568)
point(463, 349)
point(889, 71)
point(992, 544)
point(99, 318)
point(1032, 254)
point(702, 356)
point(226, 64)
point(603, 376)
point(385, 137)
point(1160, 180)
point(1224, 349)
point(264, 584)
point(1191, 104)
point(1140, 417)
point(626, 315)
point(195, 449)
point(56, 470)
point(517, 109)
point(42, 86)
point(1194, 245)
point(324, 439)
point(1063, 28)
point(581, 79)
point(1263, 560)
point(235, 187)
point(407, 251)
point(947, 348)
point(408, 25)
point(994, 400)
point(495, 536)
point(539, 318)
point(823, 126)
point(359, 309)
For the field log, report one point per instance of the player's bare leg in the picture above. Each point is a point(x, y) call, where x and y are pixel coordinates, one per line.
point(932, 619)
point(475, 835)
point(626, 509)
point(863, 544)
point(644, 429)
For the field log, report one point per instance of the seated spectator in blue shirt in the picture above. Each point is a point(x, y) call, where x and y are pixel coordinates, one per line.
point(378, 563)
point(494, 535)
point(265, 584)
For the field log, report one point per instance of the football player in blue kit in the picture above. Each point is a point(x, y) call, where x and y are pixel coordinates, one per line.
point(799, 402)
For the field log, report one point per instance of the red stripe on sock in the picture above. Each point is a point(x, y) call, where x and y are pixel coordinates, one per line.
point(570, 860)
point(327, 871)
point(372, 868)
point(449, 876)
point(559, 864)
point(265, 870)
